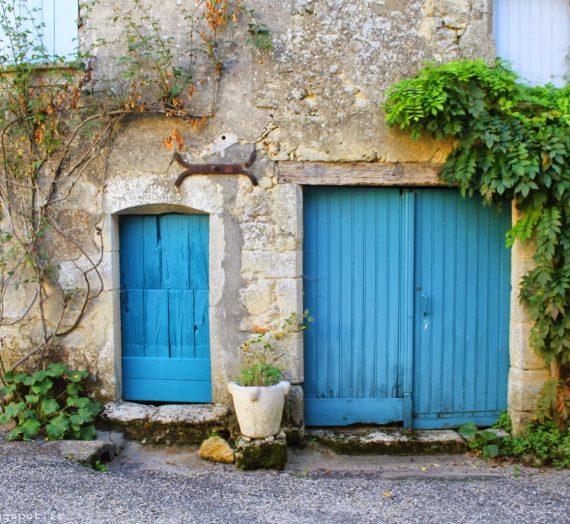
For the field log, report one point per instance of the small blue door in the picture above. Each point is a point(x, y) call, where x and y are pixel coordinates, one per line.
point(410, 294)
point(164, 308)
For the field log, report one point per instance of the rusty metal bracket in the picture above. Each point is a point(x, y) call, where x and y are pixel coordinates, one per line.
point(215, 169)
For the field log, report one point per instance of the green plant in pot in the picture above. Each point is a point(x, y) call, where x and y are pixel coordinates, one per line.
point(260, 389)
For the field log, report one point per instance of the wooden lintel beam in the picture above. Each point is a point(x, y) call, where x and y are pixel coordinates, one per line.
point(360, 174)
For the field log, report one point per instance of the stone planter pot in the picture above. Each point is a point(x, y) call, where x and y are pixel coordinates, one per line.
point(259, 409)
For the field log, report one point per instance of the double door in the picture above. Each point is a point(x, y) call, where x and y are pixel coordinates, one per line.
point(410, 291)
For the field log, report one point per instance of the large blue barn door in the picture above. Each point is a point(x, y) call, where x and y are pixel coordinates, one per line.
point(410, 294)
point(164, 308)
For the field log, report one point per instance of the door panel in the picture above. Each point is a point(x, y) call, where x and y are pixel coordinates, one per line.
point(461, 349)
point(355, 289)
point(164, 308)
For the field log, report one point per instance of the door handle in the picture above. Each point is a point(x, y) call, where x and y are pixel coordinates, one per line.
point(426, 304)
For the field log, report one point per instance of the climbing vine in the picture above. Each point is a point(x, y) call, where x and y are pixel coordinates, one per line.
point(57, 117)
point(511, 143)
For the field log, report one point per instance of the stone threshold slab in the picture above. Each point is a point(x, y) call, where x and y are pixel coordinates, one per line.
point(395, 441)
point(169, 424)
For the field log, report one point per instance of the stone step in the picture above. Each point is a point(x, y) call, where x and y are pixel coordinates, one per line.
point(394, 441)
point(169, 424)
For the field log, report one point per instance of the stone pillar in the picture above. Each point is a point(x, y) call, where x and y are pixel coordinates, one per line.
point(528, 372)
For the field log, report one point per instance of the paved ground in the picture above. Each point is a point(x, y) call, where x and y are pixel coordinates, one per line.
point(146, 485)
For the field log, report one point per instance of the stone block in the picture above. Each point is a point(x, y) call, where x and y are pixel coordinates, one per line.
point(289, 295)
point(271, 264)
point(525, 387)
point(522, 356)
point(106, 447)
point(293, 413)
point(520, 420)
point(217, 449)
point(268, 453)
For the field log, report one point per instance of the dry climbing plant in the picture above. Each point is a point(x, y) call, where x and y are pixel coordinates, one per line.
point(512, 143)
point(56, 121)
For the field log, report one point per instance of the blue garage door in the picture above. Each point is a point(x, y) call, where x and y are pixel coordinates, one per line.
point(410, 292)
point(164, 308)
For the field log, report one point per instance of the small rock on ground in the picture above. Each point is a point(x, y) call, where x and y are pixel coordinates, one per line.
point(216, 449)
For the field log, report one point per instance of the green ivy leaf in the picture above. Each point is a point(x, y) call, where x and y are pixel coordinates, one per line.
point(58, 427)
point(468, 430)
point(49, 406)
point(42, 387)
point(8, 389)
point(32, 399)
point(491, 451)
point(56, 369)
point(30, 428)
point(77, 376)
point(88, 433)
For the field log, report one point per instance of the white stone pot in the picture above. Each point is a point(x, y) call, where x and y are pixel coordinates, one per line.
point(259, 409)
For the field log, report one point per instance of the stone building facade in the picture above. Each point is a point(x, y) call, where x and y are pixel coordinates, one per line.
point(315, 97)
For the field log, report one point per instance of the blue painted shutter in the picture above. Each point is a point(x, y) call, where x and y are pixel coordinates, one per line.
point(534, 35)
point(60, 31)
point(164, 308)
point(53, 23)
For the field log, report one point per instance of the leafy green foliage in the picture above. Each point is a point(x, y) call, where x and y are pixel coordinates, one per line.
point(544, 443)
point(49, 402)
point(511, 143)
point(261, 354)
point(504, 422)
point(260, 375)
point(487, 441)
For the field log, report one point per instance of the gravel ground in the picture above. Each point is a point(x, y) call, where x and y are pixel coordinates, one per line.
point(146, 486)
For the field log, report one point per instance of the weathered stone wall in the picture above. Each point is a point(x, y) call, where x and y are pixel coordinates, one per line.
point(316, 96)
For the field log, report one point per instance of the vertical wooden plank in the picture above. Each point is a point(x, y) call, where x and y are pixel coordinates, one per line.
point(198, 251)
point(151, 252)
point(201, 324)
point(335, 283)
point(156, 323)
point(181, 323)
point(131, 252)
point(406, 331)
point(132, 321)
point(174, 251)
point(346, 303)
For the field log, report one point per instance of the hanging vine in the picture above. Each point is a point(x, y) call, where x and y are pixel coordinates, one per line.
point(56, 121)
point(511, 143)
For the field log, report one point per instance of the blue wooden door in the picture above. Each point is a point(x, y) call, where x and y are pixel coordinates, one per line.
point(164, 308)
point(410, 294)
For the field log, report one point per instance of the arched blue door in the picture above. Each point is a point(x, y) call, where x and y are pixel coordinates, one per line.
point(164, 308)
